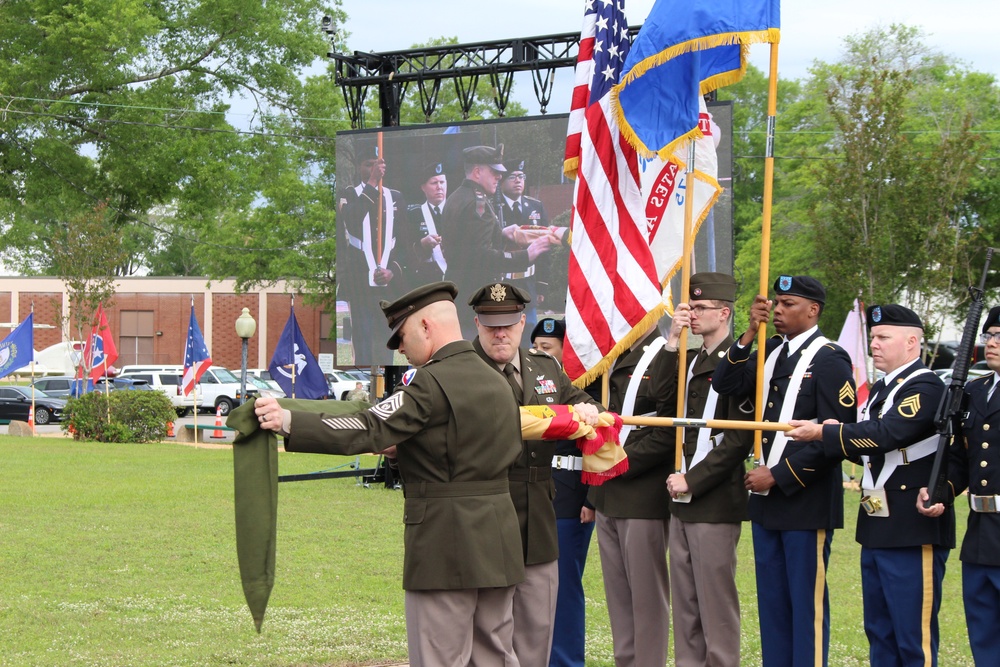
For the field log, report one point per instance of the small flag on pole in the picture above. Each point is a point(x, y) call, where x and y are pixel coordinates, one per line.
point(196, 356)
point(16, 350)
point(293, 359)
point(100, 351)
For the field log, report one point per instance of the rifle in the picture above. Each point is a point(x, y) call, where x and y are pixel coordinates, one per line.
point(952, 401)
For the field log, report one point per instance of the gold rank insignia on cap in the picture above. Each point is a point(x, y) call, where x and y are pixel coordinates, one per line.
point(847, 395)
point(910, 406)
point(498, 292)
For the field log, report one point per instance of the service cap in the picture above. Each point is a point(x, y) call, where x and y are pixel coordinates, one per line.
point(397, 311)
point(805, 286)
point(892, 314)
point(430, 170)
point(713, 286)
point(992, 319)
point(548, 327)
point(516, 164)
point(499, 304)
point(492, 157)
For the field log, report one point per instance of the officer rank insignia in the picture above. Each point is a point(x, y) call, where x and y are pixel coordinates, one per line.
point(545, 386)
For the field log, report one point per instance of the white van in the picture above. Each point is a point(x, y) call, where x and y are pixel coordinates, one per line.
point(219, 387)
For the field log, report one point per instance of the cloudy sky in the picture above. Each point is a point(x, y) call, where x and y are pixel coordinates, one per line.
point(810, 29)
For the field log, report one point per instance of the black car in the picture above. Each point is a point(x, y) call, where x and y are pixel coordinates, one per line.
point(15, 404)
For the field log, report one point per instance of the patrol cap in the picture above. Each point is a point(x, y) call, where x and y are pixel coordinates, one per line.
point(397, 311)
point(516, 164)
point(499, 304)
point(894, 315)
point(992, 319)
point(429, 171)
point(804, 286)
point(492, 157)
point(713, 286)
point(549, 327)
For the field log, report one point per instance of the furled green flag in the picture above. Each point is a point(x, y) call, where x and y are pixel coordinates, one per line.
point(255, 486)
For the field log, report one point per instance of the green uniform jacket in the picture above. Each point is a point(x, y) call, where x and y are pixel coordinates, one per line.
point(641, 493)
point(716, 483)
point(531, 486)
point(457, 429)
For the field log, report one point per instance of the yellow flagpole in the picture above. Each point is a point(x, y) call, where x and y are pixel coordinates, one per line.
point(765, 240)
point(685, 289)
point(707, 423)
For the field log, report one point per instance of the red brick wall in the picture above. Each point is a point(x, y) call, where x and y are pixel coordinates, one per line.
point(225, 345)
point(48, 310)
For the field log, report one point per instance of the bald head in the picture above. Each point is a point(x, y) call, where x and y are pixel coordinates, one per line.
point(428, 330)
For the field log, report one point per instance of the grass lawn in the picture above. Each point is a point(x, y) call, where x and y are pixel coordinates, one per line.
point(125, 555)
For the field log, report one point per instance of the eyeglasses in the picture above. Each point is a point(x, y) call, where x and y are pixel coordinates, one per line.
point(700, 310)
point(515, 177)
point(987, 337)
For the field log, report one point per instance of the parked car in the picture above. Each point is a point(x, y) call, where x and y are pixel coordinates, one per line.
point(58, 386)
point(218, 387)
point(342, 382)
point(257, 387)
point(15, 404)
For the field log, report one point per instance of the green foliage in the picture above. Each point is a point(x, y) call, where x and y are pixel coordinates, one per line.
point(119, 416)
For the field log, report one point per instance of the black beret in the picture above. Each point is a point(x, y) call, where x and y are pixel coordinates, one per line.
point(804, 286)
point(892, 314)
point(549, 328)
point(515, 164)
point(492, 157)
point(499, 304)
point(992, 319)
point(397, 311)
point(713, 286)
point(430, 170)
point(364, 151)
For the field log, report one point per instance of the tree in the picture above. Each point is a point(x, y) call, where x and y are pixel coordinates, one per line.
point(124, 103)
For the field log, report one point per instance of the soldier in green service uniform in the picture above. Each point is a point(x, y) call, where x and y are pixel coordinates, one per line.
point(456, 431)
point(535, 378)
point(471, 236)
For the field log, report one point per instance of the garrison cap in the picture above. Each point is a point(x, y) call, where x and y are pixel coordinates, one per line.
point(516, 164)
point(804, 286)
point(992, 319)
point(713, 286)
point(499, 304)
point(429, 171)
point(548, 327)
point(894, 315)
point(492, 157)
point(397, 311)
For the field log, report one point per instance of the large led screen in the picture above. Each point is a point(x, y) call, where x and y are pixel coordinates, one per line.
point(477, 236)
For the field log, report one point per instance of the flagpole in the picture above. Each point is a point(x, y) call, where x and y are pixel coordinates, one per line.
point(292, 316)
point(378, 255)
point(685, 290)
point(679, 423)
point(765, 240)
point(195, 390)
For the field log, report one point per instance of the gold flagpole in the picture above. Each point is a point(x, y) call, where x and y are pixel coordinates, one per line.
point(683, 297)
point(765, 240)
point(707, 423)
point(378, 255)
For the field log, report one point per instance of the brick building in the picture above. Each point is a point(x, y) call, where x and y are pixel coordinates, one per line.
point(149, 317)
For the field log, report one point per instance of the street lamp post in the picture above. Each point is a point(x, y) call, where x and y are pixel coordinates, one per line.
point(245, 328)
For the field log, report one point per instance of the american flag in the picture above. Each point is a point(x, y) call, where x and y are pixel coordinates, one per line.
point(614, 294)
point(196, 356)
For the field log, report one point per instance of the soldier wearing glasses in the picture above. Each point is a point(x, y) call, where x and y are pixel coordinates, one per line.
point(975, 465)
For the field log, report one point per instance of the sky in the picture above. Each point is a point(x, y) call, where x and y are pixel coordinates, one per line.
point(810, 29)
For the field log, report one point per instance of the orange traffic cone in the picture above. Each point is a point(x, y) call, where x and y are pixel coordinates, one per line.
point(170, 430)
point(217, 433)
point(31, 420)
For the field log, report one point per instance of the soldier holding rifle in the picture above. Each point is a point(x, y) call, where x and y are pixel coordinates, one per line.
point(798, 493)
point(975, 465)
point(903, 552)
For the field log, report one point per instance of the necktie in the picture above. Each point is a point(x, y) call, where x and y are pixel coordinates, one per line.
point(436, 213)
point(517, 208)
point(511, 373)
point(782, 355)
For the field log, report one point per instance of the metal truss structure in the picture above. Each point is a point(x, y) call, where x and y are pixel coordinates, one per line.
point(393, 72)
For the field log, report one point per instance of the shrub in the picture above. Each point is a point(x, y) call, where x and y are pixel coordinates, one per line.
point(135, 416)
